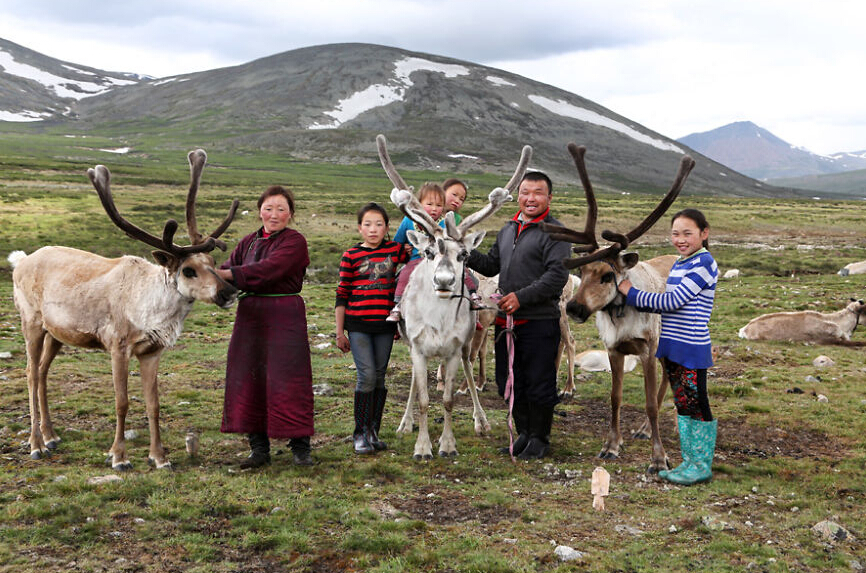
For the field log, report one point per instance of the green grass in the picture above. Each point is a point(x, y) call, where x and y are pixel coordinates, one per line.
point(785, 460)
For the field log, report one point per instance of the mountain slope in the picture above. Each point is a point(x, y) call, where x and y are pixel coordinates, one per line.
point(327, 103)
point(756, 152)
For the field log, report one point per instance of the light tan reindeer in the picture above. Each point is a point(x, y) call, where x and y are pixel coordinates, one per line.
point(623, 329)
point(438, 322)
point(809, 325)
point(125, 306)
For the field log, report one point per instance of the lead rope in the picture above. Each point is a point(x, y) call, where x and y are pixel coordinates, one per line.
point(509, 382)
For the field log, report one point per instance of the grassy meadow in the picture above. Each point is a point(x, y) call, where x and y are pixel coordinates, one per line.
point(784, 461)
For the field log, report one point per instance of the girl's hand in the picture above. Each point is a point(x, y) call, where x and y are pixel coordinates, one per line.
point(343, 343)
point(624, 286)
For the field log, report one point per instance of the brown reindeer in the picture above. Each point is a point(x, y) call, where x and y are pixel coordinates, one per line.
point(623, 329)
point(125, 306)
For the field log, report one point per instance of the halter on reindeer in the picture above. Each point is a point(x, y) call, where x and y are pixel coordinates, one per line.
point(437, 322)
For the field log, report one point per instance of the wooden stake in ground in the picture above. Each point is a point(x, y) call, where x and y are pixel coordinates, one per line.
point(600, 487)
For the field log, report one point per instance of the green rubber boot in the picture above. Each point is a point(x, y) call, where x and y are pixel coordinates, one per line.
point(703, 448)
point(684, 430)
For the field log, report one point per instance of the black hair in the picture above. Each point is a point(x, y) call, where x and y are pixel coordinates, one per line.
point(278, 190)
point(699, 219)
point(372, 206)
point(539, 176)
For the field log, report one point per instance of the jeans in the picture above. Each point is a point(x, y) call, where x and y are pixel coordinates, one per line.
point(371, 353)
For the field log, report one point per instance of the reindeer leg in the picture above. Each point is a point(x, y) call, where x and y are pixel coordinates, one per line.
point(610, 450)
point(34, 337)
point(149, 366)
point(659, 460)
point(50, 348)
point(120, 375)
point(644, 432)
point(440, 378)
point(482, 426)
point(481, 382)
point(423, 447)
point(447, 442)
point(408, 421)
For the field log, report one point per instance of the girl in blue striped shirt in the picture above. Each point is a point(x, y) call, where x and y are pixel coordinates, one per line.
point(684, 343)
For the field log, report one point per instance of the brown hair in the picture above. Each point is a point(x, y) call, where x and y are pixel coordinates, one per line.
point(431, 189)
point(278, 190)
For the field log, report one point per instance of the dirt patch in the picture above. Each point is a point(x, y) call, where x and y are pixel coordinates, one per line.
point(441, 506)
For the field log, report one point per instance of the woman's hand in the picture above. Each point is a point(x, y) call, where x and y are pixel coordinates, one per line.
point(343, 342)
point(624, 286)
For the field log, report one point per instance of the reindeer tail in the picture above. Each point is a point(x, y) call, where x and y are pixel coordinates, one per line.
point(15, 257)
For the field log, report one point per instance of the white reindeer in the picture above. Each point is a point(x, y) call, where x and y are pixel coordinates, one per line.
point(853, 269)
point(808, 325)
point(437, 320)
point(126, 306)
point(623, 329)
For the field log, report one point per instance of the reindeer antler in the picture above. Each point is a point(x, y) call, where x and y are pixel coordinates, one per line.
point(587, 240)
point(100, 176)
point(402, 195)
point(498, 197)
point(197, 160)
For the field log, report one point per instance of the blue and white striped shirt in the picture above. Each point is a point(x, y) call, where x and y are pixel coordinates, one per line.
point(685, 306)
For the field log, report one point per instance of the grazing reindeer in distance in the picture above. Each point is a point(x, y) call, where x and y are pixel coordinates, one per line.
point(623, 329)
point(437, 321)
point(126, 306)
point(809, 325)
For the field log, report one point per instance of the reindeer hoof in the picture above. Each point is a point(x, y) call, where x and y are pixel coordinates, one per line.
point(122, 466)
point(606, 455)
point(443, 454)
point(163, 466)
point(420, 457)
point(640, 435)
point(565, 396)
point(460, 392)
point(52, 444)
point(38, 454)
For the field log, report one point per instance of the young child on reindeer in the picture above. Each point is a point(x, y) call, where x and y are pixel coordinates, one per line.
point(364, 298)
point(684, 342)
point(432, 198)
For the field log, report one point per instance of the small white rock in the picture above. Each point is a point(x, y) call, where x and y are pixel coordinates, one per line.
point(5, 355)
point(566, 553)
point(96, 480)
point(130, 434)
point(672, 529)
point(823, 362)
point(823, 399)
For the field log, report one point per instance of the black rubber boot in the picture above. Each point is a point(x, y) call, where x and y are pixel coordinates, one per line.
point(379, 395)
point(301, 451)
point(520, 414)
point(363, 411)
point(541, 419)
point(260, 451)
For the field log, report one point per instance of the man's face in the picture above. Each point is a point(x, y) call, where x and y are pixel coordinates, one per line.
point(533, 198)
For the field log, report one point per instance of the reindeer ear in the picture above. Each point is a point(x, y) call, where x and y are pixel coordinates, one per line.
point(417, 239)
point(473, 240)
point(165, 259)
point(629, 260)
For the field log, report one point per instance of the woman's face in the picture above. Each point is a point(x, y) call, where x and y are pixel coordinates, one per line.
point(686, 237)
point(373, 228)
point(454, 197)
point(275, 213)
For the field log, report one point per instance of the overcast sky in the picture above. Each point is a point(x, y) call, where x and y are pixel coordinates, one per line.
point(794, 67)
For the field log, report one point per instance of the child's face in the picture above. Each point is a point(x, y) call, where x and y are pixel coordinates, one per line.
point(686, 237)
point(454, 197)
point(432, 204)
point(372, 228)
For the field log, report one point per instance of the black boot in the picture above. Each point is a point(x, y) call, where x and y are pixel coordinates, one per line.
point(520, 414)
point(363, 411)
point(379, 395)
point(541, 419)
point(301, 451)
point(260, 451)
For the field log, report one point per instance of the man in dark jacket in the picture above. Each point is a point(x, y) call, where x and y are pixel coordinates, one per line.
point(531, 276)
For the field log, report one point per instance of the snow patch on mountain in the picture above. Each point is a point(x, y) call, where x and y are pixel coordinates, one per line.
point(565, 109)
point(378, 95)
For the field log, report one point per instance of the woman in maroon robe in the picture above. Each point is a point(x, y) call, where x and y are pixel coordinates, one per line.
point(269, 379)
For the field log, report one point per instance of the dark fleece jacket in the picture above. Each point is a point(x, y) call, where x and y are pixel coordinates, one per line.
point(529, 264)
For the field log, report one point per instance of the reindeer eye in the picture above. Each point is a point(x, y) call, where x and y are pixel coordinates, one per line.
point(462, 256)
point(608, 277)
point(188, 272)
point(430, 254)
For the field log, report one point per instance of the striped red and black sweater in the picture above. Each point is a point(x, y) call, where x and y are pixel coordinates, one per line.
point(368, 278)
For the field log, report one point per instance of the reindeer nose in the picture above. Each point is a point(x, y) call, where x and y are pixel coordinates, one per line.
point(578, 312)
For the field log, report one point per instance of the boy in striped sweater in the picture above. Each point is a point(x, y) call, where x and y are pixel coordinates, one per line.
point(365, 295)
point(684, 343)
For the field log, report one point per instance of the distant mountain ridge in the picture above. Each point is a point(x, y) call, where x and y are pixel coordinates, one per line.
point(327, 103)
point(756, 152)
